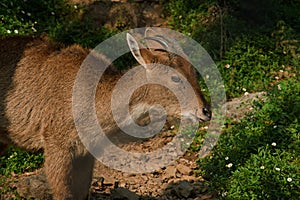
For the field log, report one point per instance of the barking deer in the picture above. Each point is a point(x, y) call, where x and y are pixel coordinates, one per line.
point(36, 81)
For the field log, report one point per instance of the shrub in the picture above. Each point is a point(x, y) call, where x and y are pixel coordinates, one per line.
point(252, 63)
point(59, 19)
point(19, 161)
point(259, 158)
point(32, 16)
point(248, 51)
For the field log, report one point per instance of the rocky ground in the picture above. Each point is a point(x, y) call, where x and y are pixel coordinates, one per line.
point(123, 14)
point(176, 181)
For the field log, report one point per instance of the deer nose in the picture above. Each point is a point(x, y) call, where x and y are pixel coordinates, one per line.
point(206, 112)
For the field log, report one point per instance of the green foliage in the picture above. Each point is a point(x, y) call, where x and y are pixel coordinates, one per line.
point(248, 50)
point(252, 63)
point(19, 161)
point(217, 24)
point(80, 31)
point(259, 158)
point(59, 19)
point(32, 16)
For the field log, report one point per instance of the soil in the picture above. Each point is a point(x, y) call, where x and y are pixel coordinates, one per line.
point(122, 14)
point(175, 181)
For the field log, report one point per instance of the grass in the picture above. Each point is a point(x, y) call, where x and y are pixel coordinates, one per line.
point(18, 161)
point(257, 158)
point(61, 20)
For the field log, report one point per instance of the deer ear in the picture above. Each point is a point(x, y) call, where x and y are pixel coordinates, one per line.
point(135, 49)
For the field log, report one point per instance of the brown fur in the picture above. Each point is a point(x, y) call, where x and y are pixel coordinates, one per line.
point(36, 82)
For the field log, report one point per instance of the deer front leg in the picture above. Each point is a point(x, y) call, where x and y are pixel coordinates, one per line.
point(69, 171)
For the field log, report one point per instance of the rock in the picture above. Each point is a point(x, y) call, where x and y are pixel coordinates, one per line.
point(122, 184)
point(238, 107)
point(108, 181)
point(144, 179)
point(170, 172)
point(184, 189)
point(190, 179)
point(206, 196)
point(178, 174)
point(34, 186)
point(184, 170)
point(170, 181)
point(98, 182)
point(123, 194)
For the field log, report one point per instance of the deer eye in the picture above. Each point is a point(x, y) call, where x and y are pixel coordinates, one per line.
point(176, 79)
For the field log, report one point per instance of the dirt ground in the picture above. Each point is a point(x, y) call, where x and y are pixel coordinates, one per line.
point(122, 14)
point(175, 181)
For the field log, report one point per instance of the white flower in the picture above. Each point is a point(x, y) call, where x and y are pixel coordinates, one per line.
point(224, 194)
point(52, 13)
point(28, 14)
point(8, 31)
point(274, 126)
point(75, 6)
point(289, 179)
point(279, 87)
point(205, 127)
point(229, 165)
point(244, 89)
point(207, 76)
point(262, 167)
point(227, 66)
point(277, 168)
point(276, 77)
point(273, 144)
point(281, 71)
point(246, 93)
point(226, 158)
point(172, 127)
point(16, 31)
